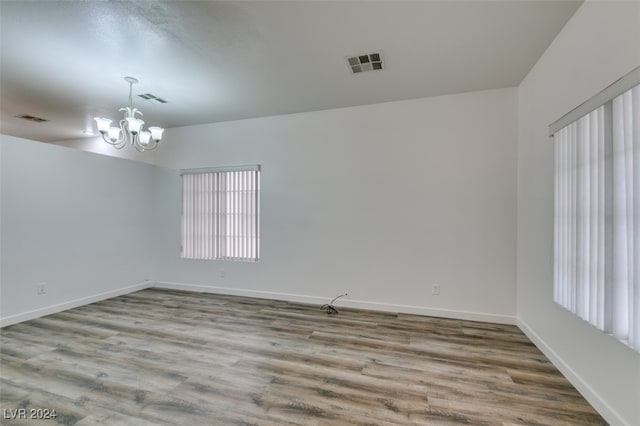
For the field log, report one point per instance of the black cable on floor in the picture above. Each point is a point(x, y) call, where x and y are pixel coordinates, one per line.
point(329, 308)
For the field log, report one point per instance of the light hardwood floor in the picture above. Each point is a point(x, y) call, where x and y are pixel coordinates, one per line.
point(169, 357)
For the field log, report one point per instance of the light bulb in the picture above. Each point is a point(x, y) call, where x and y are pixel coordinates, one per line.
point(156, 133)
point(134, 124)
point(114, 133)
point(103, 124)
point(144, 137)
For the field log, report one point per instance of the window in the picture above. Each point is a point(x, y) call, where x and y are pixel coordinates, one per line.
point(597, 214)
point(220, 213)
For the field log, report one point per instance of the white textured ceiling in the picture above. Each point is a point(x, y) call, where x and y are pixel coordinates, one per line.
point(217, 61)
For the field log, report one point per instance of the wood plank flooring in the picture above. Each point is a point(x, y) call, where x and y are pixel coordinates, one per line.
point(169, 357)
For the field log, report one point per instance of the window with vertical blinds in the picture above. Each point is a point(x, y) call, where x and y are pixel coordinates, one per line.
point(597, 217)
point(220, 213)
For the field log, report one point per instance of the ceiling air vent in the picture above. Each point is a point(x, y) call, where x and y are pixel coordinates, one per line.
point(150, 97)
point(366, 62)
point(31, 118)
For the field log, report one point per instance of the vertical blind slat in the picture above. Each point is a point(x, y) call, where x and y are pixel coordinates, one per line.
point(597, 218)
point(220, 215)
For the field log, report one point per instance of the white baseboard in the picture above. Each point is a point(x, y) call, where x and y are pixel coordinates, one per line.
point(576, 380)
point(48, 310)
point(432, 312)
point(347, 303)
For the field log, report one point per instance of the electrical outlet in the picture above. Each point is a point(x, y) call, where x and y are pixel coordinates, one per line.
point(435, 290)
point(42, 289)
point(222, 273)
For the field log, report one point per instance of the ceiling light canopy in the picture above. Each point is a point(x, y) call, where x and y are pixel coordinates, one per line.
point(131, 128)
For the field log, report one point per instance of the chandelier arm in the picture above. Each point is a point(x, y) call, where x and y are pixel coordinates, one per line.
point(118, 144)
point(130, 112)
point(106, 139)
point(149, 147)
point(135, 141)
point(124, 132)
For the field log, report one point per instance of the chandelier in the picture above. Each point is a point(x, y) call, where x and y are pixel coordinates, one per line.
point(130, 130)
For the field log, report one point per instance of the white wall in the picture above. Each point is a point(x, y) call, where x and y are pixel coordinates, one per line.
point(379, 201)
point(78, 221)
point(599, 44)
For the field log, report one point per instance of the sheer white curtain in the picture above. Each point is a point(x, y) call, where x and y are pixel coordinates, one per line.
point(220, 215)
point(597, 217)
point(626, 218)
